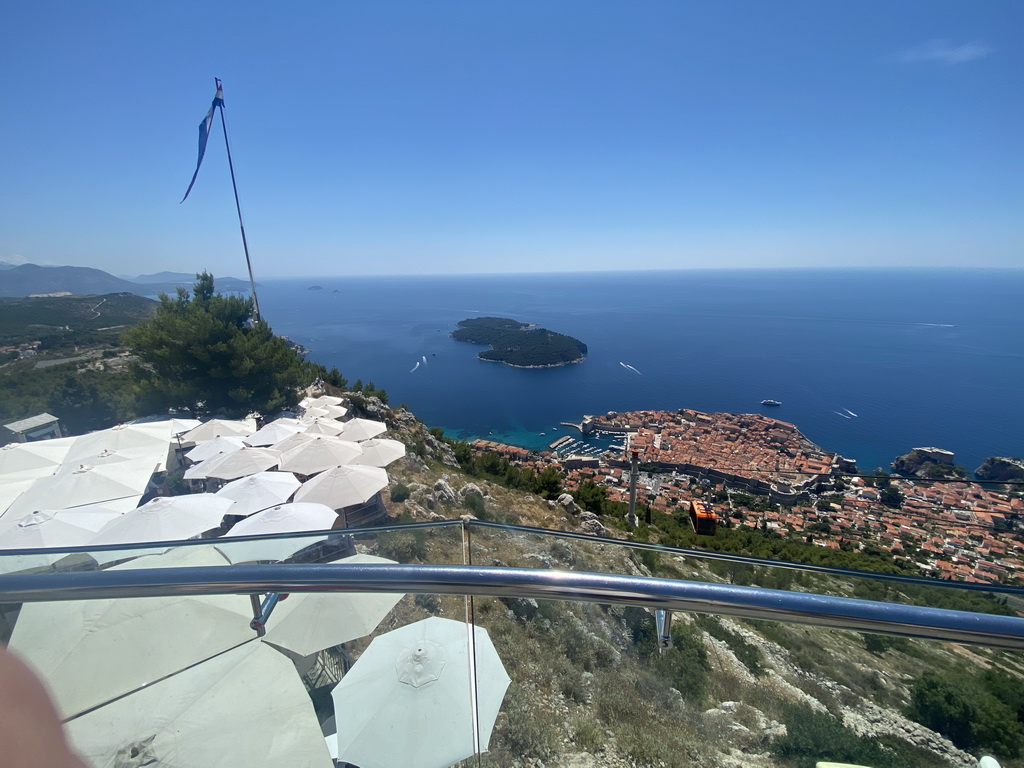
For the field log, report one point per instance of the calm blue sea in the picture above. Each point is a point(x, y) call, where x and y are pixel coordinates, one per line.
point(922, 357)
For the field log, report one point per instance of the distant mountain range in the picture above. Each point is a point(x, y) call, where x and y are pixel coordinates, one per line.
point(29, 279)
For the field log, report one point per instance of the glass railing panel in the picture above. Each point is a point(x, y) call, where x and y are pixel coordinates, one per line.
point(417, 543)
point(495, 544)
point(174, 680)
point(590, 685)
point(587, 682)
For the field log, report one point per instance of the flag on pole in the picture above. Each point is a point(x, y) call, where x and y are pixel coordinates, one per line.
point(204, 134)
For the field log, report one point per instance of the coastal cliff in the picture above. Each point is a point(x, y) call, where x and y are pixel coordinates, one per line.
point(999, 469)
point(929, 463)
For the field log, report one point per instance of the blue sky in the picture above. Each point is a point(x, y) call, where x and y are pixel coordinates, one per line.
point(437, 137)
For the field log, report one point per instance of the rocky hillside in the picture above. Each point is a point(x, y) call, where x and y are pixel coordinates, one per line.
point(591, 689)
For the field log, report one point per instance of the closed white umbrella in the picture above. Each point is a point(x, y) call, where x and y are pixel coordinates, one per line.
point(286, 518)
point(230, 466)
point(246, 708)
point(217, 427)
point(305, 624)
point(274, 432)
point(363, 429)
point(166, 518)
point(86, 484)
point(215, 447)
point(259, 491)
point(407, 700)
point(320, 453)
point(343, 486)
point(92, 651)
point(379, 452)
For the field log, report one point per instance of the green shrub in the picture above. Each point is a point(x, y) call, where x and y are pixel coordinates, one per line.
point(588, 734)
point(748, 654)
point(474, 503)
point(812, 736)
point(399, 492)
point(969, 709)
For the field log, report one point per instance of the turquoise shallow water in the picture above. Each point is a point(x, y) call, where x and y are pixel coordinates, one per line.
point(921, 357)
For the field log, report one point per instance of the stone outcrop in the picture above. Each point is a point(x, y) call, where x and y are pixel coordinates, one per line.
point(568, 504)
point(443, 492)
point(927, 463)
point(999, 469)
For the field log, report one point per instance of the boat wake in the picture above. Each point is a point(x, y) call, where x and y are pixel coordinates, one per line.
point(415, 367)
point(629, 367)
point(854, 415)
point(840, 413)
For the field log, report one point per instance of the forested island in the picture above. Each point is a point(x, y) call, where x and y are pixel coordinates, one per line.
point(521, 345)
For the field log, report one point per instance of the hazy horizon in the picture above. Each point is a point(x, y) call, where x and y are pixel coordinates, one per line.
point(403, 138)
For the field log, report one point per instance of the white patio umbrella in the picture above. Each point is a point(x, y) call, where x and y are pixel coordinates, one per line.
point(91, 651)
point(292, 441)
point(313, 402)
point(46, 455)
point(127, 504)
point(45, 530)
point(286, 518)
point(86, 484)
point(407, 700)
point(255, 549)
point(307, 623)
point(180, 426)
point(259, 491)
point(166, 518)
point(343, 486)
point(152, 438)
point(12, 487)
point(156, 453)
point(323, 426)
point(231, 466)
point(90, 516)
point(362, 429)
point(244, 709)
point(274, 432)
point(215, 447)
point(217, 427)
point(325, 410)
point(379, 452)
point(320, 453)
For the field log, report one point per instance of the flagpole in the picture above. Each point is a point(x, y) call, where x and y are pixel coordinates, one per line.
point(238, 207)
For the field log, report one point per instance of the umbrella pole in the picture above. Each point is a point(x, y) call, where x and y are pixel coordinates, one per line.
point(257, 615)
point(471, 633)
point(261, 613)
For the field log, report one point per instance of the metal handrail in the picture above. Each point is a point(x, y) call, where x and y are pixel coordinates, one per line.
point(739, 559)
point(700, 554)
point(654, 593)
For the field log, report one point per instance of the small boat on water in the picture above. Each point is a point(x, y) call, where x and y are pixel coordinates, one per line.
point(771, 402)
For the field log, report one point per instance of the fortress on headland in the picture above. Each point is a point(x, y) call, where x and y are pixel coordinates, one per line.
point(748, 450)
